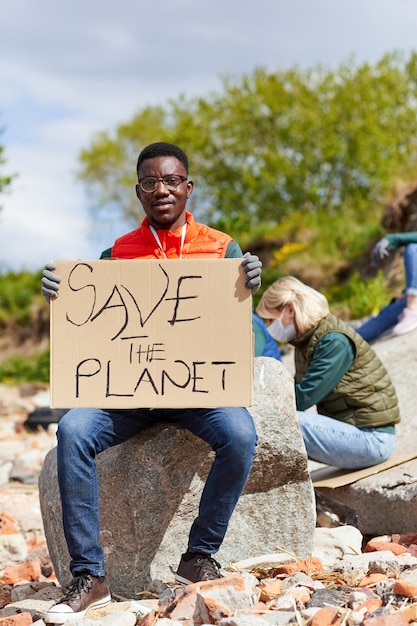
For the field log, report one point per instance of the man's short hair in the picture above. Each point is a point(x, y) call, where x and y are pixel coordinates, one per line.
point(161, 149)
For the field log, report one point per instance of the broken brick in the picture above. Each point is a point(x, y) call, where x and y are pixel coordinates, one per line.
point(379, 546)
point(387, 619)
point(270, 591)
point(22, 619)
point(406, 539)
point(405, 588)
point(372, 579)
point(8, 524)
point(307, 566)
point(14, 574)
point(327, 616)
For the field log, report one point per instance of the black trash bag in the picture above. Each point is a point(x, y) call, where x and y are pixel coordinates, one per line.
point(42, 417)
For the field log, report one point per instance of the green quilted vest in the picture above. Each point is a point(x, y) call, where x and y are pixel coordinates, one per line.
point(365, 396)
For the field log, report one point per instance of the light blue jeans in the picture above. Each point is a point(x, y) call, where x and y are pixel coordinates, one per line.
point(83, 433)
point(388, 316)
point(336, 443)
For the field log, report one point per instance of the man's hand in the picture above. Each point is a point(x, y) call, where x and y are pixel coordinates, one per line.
point(252, 266)
point(380, 251)
point(50, 282)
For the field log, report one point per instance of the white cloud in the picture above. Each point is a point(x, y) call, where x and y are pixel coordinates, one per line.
point(71, 69)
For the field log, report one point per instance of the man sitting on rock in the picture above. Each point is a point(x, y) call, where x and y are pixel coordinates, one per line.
point(167, 231)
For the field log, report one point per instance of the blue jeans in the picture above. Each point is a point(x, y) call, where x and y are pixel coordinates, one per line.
point(333, 442)
point(388, 316)
point(83, 433)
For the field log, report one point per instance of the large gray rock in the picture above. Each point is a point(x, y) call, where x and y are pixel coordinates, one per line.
point(150, 488)
point(385, 503)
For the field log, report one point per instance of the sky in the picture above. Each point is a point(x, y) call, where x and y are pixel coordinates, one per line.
point(70, 70)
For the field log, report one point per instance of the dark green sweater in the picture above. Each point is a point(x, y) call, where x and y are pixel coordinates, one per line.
point(396, 240)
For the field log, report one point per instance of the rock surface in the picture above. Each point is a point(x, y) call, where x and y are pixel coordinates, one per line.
point(150, 488)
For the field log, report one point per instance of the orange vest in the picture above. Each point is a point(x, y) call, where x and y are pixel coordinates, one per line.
point(200, 240)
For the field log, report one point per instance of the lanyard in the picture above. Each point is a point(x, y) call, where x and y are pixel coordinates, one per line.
point(158, 241)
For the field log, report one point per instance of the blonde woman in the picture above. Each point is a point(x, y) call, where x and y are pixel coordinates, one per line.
point(338, 372)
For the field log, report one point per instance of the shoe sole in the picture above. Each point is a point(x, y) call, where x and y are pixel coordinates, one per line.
point(184, 581)
point(403, 332)
point(61, 618)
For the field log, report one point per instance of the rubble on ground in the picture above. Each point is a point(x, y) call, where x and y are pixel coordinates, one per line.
point(346, 582)
point(349, 580)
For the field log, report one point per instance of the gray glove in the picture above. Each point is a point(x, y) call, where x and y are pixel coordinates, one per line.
point(252, 266)
point(50, 282)
point(380, 251)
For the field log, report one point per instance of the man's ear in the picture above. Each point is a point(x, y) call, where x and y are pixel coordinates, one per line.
point(190, 187)
point(137, 189)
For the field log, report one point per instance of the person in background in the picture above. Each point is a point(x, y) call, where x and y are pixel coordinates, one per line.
point(338, 372)
point(400, 314)
point(167, 231)
point(265, 344)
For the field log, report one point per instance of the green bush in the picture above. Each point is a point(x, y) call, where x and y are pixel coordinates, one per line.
point(18, 292)
point(360, 297)
point(18, 369)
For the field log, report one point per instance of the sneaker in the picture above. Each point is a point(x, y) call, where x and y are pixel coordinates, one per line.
point(198, 568)
point(407, 322)
point(84, 592)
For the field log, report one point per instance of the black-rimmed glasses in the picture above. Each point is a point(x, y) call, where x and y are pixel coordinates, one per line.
point(171, 182)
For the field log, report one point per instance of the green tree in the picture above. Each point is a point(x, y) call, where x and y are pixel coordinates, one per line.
point(305, 141)
point(299, 157)
point(273, 143)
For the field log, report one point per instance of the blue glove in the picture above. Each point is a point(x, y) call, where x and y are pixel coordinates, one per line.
point(380, 251)
point(252, 266)
point(50, 282)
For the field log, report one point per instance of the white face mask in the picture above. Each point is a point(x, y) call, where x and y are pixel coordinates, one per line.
point(282, 333)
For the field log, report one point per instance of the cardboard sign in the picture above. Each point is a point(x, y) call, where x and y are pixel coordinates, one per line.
point(151, 333)
point(334, 477)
